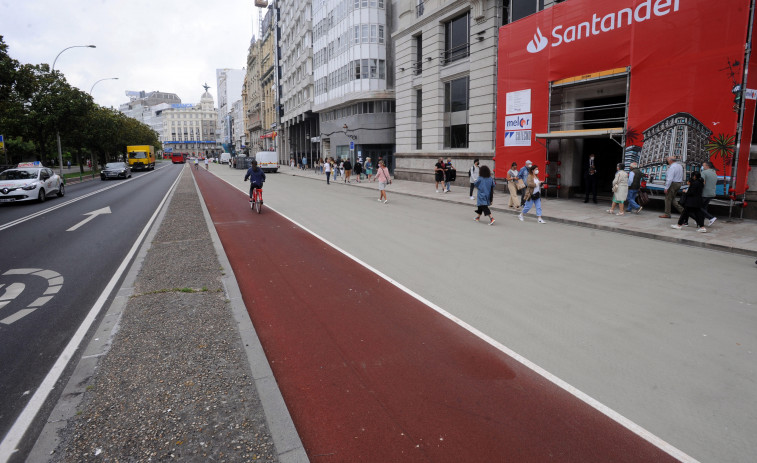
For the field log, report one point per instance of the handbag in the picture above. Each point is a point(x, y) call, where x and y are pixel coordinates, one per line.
point(520, 184)
point(535, 196)
point(615, 188)
point(643, 198)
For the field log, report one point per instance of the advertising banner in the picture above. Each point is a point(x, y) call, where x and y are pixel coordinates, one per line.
point(685, 62)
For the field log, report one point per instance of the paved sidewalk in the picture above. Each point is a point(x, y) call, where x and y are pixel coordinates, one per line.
point(737, 235)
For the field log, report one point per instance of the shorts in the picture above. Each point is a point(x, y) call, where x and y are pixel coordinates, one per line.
point(368, 171)
point(439, 177)
point(382, 186)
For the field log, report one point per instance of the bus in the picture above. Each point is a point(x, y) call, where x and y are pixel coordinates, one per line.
point(178, 158)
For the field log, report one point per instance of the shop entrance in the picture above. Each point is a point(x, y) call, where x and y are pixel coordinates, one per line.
point(587, 115)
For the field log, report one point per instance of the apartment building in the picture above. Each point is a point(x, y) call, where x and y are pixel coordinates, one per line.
point(354, 79)
point(299, 125)
point(252, 98)
point(189, 128)
point(269, 80)
point(446, 68)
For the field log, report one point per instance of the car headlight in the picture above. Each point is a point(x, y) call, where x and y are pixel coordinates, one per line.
point(29, 186)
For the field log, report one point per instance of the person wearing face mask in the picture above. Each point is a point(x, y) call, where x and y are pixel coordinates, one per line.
point(533, 194)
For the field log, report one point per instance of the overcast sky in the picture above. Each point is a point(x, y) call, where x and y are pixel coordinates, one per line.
point(167, 45)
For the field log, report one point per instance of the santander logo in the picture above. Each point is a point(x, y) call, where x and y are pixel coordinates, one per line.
point(625, 17)
point(538, 44)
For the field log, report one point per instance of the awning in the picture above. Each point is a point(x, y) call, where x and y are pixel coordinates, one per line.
point(589, 133)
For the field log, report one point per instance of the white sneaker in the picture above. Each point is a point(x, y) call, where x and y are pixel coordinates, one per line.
point(472, 197)
point(676, 226)
point(437, 191)
point(520, 217)
point(386, 201)
point(702, 230)
point(712, 221)
point(379, 200)
point(540, 220)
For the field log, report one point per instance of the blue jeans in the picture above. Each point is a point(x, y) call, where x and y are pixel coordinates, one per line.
point(531, 203)
point(632, 205)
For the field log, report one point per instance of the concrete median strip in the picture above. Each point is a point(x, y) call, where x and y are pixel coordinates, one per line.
point(175, 369)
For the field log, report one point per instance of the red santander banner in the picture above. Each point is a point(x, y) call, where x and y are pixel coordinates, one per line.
point(684, 58)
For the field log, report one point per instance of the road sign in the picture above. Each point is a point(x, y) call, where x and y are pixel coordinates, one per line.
point(2, 143)
point(352, 145)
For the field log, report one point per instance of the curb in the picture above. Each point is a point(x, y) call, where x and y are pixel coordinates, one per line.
point(577, 223)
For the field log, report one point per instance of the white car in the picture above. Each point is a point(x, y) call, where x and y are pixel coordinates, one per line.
point(29, 183)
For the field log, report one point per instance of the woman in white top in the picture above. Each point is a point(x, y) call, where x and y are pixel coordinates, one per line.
point(512, 186)
point(327, 169)
point(473, 173)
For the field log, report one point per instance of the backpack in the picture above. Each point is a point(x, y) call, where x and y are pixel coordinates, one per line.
point(452, 175)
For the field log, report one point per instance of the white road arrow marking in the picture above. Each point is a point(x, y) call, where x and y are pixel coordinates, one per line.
point(92, 215)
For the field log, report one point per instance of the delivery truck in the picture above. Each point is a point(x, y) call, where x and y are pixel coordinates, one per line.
point(141, 157)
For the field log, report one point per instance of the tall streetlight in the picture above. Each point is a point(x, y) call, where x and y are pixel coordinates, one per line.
point(93, 85)
point(57, 132)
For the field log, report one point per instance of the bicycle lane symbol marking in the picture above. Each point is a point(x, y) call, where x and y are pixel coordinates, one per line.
point(54, 283)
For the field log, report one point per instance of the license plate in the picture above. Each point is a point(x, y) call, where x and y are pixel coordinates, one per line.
point(6, 200)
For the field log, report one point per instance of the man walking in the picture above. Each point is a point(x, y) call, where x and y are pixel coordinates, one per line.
point(710, 178)
point(523, 175)
point(673, 182)
point(590, 176)
point(634, 183)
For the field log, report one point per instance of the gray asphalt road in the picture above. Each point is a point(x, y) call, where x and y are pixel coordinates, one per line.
point(79, 263)
point(663, 334)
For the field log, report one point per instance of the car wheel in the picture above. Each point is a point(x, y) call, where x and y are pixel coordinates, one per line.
point(62, 190)
point(41, 197)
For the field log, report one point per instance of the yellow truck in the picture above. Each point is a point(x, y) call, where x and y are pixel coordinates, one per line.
point(141, 157)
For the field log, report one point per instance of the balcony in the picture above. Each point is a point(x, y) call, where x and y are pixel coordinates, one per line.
point(456, 53)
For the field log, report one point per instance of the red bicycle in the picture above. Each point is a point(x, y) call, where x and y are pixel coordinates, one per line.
point(256, 203)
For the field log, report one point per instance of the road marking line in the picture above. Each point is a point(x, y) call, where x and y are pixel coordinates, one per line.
point(597, 405)
point(17, 316)
point(92, 215)
point(25, 419)
point(71, 201)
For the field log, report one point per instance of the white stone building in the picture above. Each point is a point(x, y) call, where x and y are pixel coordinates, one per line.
point(446, 80)
point(354, 79)
point(299, 123)
point(191, 129)
point(229, 83)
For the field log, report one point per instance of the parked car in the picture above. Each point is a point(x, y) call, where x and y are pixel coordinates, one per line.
point(29, 182)
point(115, 170)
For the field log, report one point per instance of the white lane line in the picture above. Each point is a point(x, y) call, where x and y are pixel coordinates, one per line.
point(12, 223)
point(24, 420)
point(597, 405)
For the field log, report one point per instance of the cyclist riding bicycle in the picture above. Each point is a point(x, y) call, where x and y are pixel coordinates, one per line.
point(256, 176)
point(196, 163)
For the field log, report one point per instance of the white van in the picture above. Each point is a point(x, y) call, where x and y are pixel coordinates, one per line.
point(225, 158)
point(268, 160)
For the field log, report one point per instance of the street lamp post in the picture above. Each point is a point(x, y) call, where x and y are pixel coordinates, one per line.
point(57, 132)
point(93, 85)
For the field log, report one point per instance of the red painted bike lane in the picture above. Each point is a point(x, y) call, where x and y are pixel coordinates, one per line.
point(370, 373)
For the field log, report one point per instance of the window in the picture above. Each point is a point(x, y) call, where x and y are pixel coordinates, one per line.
point(374, 33)
point(418, 139)
point(419, 103)
point(381, 34)
point(364, 70)
point(456, 39)
point(418, 54)
point(513, 10)
point(365, 37)
point(374, 70)
point(456, 113)
point(382, 69)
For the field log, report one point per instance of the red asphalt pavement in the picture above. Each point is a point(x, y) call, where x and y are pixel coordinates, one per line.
point(369, 373)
